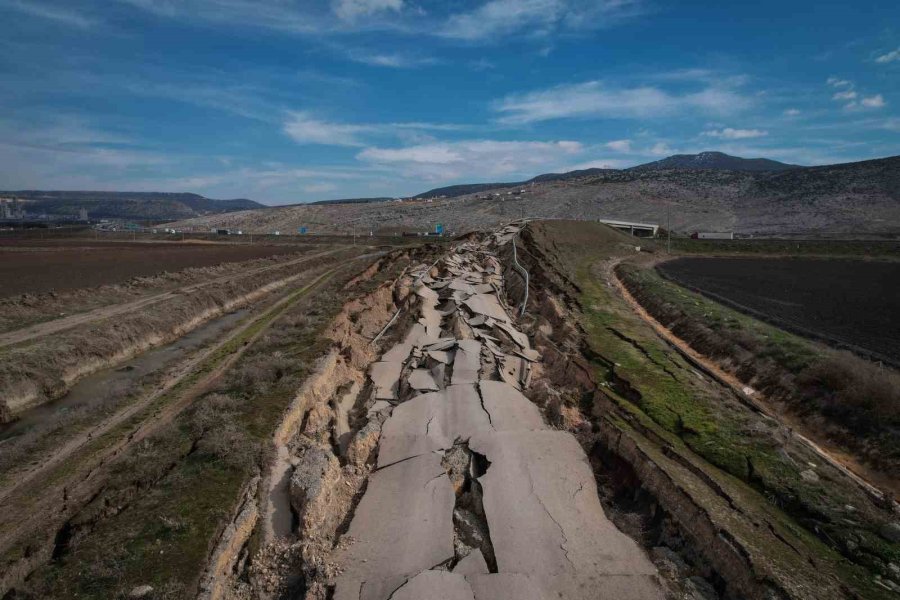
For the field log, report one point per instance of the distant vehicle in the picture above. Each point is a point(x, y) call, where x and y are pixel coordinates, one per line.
point(712, 235)
point(223, 231)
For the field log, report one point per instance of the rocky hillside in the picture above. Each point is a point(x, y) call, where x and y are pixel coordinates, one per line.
point(716, 160)
point(854, 198)
point(126, 205)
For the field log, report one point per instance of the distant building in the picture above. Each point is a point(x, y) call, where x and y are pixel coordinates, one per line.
point(82, 214)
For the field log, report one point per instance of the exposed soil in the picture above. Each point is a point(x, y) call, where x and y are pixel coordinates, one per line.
point(847, 303)
point(27, 267)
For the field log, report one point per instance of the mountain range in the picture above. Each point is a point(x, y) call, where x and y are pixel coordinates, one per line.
point(861, 198)
point(156, 206)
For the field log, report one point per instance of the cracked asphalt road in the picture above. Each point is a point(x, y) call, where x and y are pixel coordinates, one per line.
point(531, 487)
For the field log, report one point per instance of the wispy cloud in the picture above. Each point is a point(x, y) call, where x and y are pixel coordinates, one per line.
point(837, 82)
point(441, 161)
point(889, 57)
point(792, 112)
point(619, 145)
point(848, 95)
point(303, 128)
point(876, 101)
point(63, 16)
point(594, 99)
point(394, 60)
point(729, 133)
point(351, 10)
point(535, 17)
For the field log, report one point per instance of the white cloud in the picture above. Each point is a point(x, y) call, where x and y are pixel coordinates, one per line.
point(394, 60)
point(876, 101)
point(305, 129)
point(471, 158)
point(892, 124)
point(661, 149)
point(619, 145)
point(892, 56)
point(594, 99)
point(602, 163)
point(51, 13)
point(350, 10)
point(848, 95)
point(792, 112)
point(729, 133)
point(835, 82)
point(535, 17)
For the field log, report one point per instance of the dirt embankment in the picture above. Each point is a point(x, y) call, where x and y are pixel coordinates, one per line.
point(838, 399)
point(712, 487)
point(322, 452)
point(45, 368)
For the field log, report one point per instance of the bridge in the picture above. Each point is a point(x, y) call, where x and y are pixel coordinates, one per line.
point(635, 229)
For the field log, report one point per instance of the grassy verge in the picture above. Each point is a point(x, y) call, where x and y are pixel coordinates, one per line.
point(743, 457)
point(854, 402)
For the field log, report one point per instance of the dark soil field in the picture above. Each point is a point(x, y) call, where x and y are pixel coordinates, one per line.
point(30, 266)
point(847, 303)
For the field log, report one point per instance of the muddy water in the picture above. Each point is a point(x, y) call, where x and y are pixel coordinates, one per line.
point(111, 385)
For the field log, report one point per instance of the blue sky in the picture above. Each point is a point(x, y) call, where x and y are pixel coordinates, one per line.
point(290, 101)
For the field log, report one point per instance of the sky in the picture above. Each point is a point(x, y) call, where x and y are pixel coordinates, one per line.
point(287, 101)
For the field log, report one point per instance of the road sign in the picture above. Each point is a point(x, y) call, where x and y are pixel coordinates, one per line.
point(439, 229)
point(301, 230)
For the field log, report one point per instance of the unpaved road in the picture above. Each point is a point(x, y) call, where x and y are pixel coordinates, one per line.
point(42, 329)
point(474, 497)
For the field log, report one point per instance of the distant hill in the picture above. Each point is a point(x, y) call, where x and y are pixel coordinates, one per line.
point(717, 161)
point(353, 200)
point(853, 199)
point(452, 191)
point(127, 205)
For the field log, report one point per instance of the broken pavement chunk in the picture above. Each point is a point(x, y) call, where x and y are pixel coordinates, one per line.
point(402, 526)
point(487, 305)
point(386, 377)
point(435, 585)
point(432, 422)
point(466, 362)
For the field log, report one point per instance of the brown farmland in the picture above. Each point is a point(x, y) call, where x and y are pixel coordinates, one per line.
point(851, 304)
point(32, 266)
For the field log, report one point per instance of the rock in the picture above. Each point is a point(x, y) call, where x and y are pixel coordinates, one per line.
point(141, 591)
point(697, 588)
point(364, 443)
point(313, 479)
point(809, 476)
point(891, 532)
point(668, 560)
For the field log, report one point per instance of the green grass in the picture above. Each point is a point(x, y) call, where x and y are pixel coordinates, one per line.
point(659, 393)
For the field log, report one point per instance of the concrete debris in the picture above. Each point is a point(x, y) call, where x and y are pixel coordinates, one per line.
point(141, 591)
point(467, 362)
point(426, 379)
